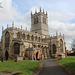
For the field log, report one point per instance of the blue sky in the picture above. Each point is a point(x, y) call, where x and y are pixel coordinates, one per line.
point(53, 5)
point(61, 15)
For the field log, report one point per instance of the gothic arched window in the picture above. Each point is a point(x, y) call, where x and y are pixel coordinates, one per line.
point(7, 39)
point(23, 36)
point(34, 46)
point(34, 20)
point(35, 38)
point(61, 45)
point(37, 19)
point(42, 40)
point(16, 48)
point(54, 48)
point(32, 38)
point(18, 35)
point(44, 20)
point(38, 46)
point(39, 39)
point(28, 37)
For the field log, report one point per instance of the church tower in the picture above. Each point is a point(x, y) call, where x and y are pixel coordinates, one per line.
point(39, 22)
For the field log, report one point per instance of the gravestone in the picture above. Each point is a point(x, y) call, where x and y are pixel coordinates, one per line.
point(18, 58)
point(26, 58)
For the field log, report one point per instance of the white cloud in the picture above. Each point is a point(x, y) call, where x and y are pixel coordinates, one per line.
point(61, 16)
point(61, 22)
point(57, 21)
point(8, 12)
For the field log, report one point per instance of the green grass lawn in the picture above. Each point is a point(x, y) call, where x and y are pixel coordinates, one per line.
point(68, 62)
point(27, 67)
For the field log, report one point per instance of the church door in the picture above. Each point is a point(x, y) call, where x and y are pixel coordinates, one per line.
point(54, 48)
point(16, 48)
point(37, 56)
point(6, 55)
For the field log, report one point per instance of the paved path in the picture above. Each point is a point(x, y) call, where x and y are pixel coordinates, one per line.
point(52, 68)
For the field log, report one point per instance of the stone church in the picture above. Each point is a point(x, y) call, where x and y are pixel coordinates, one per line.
point(30, 44)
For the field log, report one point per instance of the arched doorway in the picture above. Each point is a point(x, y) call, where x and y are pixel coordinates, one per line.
point(37, 55)
point(16, 48)
point(54, 48)
point(6, 55)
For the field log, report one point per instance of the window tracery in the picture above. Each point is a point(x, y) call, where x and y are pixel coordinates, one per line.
point(36, 20)
point(35, 38)
point(7, 39)
point(18, 35)
point(23, 36)
point(44, 20)
point(28, 37)
point(32, 38)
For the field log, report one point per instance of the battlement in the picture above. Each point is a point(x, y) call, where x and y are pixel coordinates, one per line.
point(39, 13)
point(39, 22)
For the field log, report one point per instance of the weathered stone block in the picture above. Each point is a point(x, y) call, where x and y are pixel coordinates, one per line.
point(19, 59)
point(10, 73)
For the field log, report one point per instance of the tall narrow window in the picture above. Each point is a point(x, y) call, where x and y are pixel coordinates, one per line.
point(18, 35)
point(34, 20)
point(16, 48)
point(7, 39)
point(38, 46)
point(37, 19)
point(39, 39)
point(23, 36)
point(61, 45)
point(28, 37)
point(44, 20)
point(35, 38)
point(32, 38)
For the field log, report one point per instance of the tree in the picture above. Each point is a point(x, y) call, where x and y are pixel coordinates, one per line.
point(73, 45)
point(0, 5)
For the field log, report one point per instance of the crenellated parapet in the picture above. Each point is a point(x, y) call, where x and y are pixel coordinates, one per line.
point(41, 12)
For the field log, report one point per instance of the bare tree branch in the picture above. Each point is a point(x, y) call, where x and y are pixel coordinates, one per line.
point(73, 45)
point(0, 5)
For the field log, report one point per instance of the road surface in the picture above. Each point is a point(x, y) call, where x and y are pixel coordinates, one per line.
point(52, 68)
